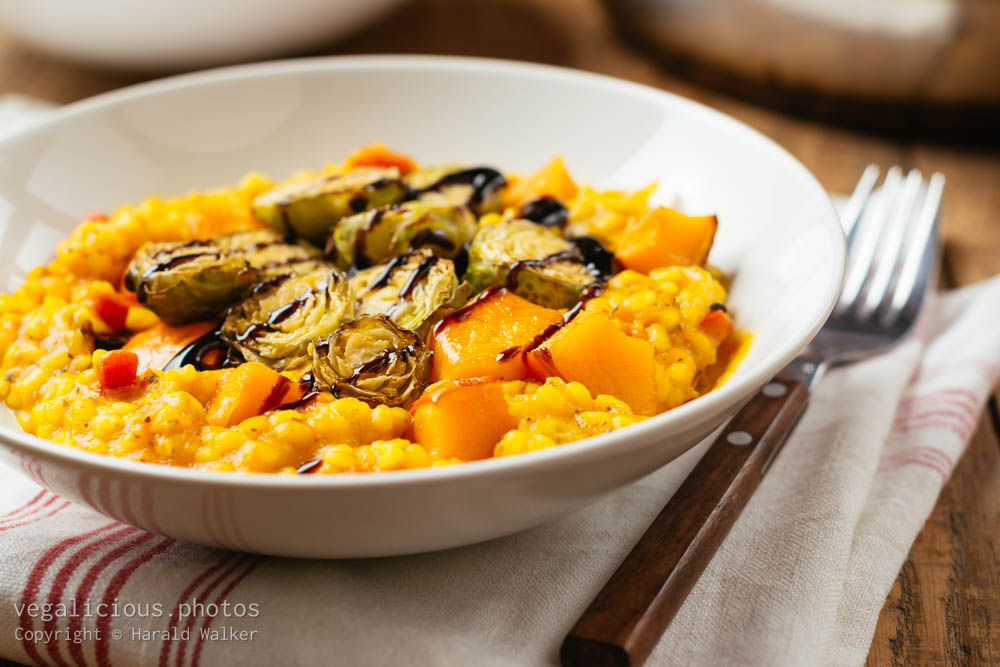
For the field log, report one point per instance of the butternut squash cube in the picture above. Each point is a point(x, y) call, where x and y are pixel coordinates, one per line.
point(462, 418)
point(593, 351)
point(244, 392)
point(552, 180)
point(664, 237)
point(488, 336)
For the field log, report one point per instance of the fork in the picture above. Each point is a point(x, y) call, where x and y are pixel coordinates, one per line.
point(892, 248)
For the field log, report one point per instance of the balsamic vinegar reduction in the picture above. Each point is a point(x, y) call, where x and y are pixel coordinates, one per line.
point(207, 353)
point(598, 259)
point(546, 211)
point(484, 181)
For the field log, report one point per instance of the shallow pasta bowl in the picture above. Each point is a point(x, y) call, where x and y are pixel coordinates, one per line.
point(779, 239)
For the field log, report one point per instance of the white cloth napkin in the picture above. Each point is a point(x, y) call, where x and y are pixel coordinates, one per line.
point(800, 579)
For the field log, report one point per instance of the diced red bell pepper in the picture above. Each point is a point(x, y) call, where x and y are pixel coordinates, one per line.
point(117, 369)
point(112, 307)
point(717, 325)
point(94, 216)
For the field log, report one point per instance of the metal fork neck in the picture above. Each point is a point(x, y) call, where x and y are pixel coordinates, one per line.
point(806, 368)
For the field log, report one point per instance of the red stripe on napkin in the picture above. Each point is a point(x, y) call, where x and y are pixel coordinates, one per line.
point(63, 576)
point(34, 517)
point(90, 578)
point(114, 588)
point(185, 595)
point(196, 659)
point(34, 583)
point(11, 515)
point(191, 620)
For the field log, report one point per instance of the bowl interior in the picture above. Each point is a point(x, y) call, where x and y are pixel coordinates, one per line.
point(778, 236)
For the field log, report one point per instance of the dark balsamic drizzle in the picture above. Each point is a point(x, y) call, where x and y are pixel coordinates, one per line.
point(310, 466)
point(546, 211)
point(508, 354)
point(165, 265)
point(278, 315)
point(254, 330)
point(281, 314)
point(484, 181)
point(419, 274)
point(390, 267)
point(361, 260)
point(268, 285)
point(109, 342)
point(434, 237)
point(520, 265)
point(461, 261)
point(307, 384)
point(306, 399)
point(599, 260)
point(201, 351)
point(282, 206)
point(174, 262)
point(381, 362)
point(465, 311)
point(274, 398)
point(589, 293)
point(380, 183)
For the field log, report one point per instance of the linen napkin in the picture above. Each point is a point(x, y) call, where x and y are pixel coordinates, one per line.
point(800, 579)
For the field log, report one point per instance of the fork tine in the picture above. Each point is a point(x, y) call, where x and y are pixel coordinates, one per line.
point(910, 273)
point(865, 239)
point(859, 199)
point(891, 246)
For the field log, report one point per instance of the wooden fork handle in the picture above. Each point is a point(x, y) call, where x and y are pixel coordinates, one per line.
point(627, 618)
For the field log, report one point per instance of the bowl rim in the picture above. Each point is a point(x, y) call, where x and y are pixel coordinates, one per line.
point(588, 448)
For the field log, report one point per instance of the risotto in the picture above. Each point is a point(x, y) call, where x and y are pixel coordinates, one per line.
point(372, 315)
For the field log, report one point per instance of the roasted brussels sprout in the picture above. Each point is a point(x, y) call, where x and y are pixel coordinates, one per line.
point(364, 239)
point(497, 246)
point(554, 282)
point(373, 360)
point(186, 282)
point(479, 188)
point(309, 208)
point(413, 290)
point(425, 177)
point(279, 319)
point(267, 252)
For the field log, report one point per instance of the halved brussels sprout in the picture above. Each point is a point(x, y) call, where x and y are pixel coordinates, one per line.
point(373, 360)
point(364, 239)
point(414, 290)
point(186, 282)
point(496, 247)
point(279, 319)
point(479, 188)
point(309, 208)
point(554, 282)
point(268, 252)
point(425, 177)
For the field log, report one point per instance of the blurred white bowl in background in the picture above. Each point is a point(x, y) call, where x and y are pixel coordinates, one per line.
point(181, 34)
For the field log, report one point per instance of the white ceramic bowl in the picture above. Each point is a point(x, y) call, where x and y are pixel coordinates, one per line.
point(182, 34)
point(779, 239)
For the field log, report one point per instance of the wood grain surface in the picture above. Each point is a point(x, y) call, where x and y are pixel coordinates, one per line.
point(945, 606)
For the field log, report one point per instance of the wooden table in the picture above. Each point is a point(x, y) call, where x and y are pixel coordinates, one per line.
point(945, 605)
